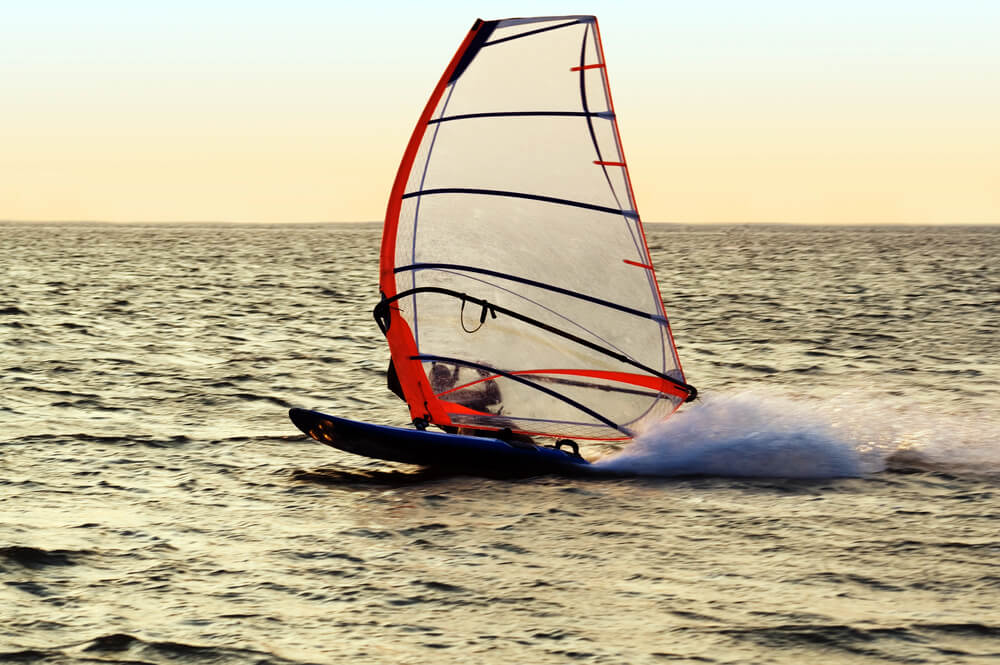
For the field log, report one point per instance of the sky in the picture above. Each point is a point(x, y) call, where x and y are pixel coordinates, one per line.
point(856, 111)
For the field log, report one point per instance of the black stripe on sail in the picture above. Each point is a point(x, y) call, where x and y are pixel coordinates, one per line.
point(522, 195)
point(530, 282)
point(607, 115)
point(382, 315)
point(535, 32)
point(544, 378)
point(586, 108)
point(548, 391)
point(583, 100)
point(485, 30)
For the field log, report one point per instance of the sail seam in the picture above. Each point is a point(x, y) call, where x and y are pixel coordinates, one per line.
point(600, 161)
point(522, 195)
point(586, 109)
point(511, 291)
point(606, 115)
point(531, 282)
point(416, 211)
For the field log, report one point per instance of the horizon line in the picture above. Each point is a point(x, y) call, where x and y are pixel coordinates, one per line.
point(96, 222)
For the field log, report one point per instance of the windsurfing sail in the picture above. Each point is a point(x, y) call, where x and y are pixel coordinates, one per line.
point(517, 286)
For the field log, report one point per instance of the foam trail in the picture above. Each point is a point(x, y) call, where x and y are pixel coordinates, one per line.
point(748, 435)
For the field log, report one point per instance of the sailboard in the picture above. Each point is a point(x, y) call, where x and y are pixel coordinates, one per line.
point(517, 291)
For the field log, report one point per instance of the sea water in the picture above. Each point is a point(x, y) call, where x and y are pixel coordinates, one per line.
point(832, 497)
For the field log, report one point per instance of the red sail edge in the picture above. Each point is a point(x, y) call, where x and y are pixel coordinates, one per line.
point(402, 345)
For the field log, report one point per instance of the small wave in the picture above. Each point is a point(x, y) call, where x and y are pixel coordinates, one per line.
point(356, 479)
point(122, 647)
point(872, 642)
point(751, 434)
point(36, 557)
point(176, 440)
point(879, 643)
point(252, 397)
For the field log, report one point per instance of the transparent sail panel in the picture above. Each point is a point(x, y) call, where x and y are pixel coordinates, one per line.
point(534, 294)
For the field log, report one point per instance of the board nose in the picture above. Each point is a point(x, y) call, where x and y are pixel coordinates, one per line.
point(300, 418)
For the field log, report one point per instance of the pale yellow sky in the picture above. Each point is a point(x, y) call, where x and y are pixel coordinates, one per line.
point(872, 111)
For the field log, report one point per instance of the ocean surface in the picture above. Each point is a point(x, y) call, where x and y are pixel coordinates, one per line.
point(833, 497)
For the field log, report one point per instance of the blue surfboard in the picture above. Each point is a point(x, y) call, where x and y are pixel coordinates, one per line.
point(438, 449)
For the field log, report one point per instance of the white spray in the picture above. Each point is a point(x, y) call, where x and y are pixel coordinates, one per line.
point(753, 434)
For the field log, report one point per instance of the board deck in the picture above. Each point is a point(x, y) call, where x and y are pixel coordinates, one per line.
point(438, 449)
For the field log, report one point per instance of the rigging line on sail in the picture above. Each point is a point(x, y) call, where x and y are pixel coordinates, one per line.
point(606, 115)
point(548, 391)
point(582, 19)
point(521, 195)
point(644, 252)
point(586, 108)
point(600, 161)
point(416, 211)
point(590, 125)
point(382, 318)
point(641, 245)
point(534, 303)
point(532, 282)
point(487, 309)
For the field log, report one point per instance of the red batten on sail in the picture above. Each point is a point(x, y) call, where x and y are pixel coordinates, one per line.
point(511, 238)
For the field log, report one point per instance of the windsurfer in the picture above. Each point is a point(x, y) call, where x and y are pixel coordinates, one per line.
point(482, 395)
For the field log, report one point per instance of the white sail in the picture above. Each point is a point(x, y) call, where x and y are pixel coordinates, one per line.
point(518, 290)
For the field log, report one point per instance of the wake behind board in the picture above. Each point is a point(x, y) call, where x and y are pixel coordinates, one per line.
point(438, 449)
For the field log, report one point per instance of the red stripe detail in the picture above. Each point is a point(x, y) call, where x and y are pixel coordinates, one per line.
point(641, 380)
point(577, 69)
point(628, 180)
point(402, 345)
point(636, 263)
point(609, 163)
point(455, 407)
